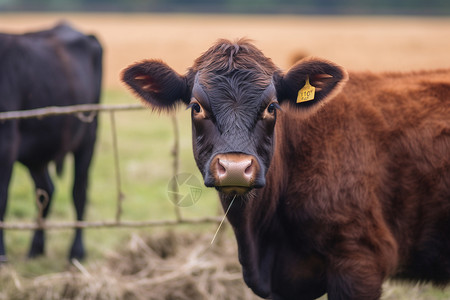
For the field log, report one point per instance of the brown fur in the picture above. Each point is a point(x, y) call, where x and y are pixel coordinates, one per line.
point(355, 183)
point(367, 179)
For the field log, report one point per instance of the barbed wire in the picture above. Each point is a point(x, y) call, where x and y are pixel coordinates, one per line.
point(98, 224)
point(93, 109)
point(64, 110)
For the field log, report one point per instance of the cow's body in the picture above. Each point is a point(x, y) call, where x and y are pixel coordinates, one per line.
point(56, 67)
point(357, 190)
point(361, 188)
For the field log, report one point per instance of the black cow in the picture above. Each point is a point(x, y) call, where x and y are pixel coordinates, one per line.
point(55, 67)
point(334, 185)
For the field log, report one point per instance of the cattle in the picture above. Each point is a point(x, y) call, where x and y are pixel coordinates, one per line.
point(55, 67)
point(334, 181)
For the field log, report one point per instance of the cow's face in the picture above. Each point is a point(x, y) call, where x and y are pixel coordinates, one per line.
point(234, 93)
point(233, 119)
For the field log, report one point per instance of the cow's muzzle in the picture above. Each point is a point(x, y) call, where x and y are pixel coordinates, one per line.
point(235, 173)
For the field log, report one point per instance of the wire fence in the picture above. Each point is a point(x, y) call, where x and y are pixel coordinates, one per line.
point(87, 113)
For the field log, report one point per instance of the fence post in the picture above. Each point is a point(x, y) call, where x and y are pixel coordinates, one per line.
point(120, 195)
point(176, 164)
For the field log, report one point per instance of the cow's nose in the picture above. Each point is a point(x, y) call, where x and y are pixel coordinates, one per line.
point(234, 170)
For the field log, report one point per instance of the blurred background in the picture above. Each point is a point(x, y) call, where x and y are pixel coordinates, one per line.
point(375, 36)
point(402, 7)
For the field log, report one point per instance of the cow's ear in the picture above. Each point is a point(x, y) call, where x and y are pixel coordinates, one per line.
point(310, 82)
point(157, 84)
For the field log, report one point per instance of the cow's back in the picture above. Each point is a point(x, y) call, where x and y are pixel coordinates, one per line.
point(60, 66)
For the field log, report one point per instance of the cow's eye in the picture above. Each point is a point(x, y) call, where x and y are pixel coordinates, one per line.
point(196, 107)
point(269, 112)
point(197, 110)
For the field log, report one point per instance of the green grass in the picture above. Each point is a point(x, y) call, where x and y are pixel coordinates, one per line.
point(145, 141)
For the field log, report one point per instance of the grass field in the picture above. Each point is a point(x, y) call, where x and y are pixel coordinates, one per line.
point(145, 139)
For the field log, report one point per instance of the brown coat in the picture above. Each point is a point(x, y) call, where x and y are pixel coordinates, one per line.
point(332, 195)
point(363, 185)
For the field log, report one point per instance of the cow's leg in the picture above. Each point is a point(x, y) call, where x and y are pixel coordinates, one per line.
point(83, 158)
point(44, 192)
point(5, 176)
point(9, 142)
point(358, 266)
point(354, 283)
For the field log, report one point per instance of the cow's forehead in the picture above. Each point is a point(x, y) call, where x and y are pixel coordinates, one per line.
point(235, 101)
point(241, 87)
point(234, 81)
point(226, 56)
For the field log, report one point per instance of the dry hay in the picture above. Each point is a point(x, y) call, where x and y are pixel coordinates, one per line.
point(167, 267)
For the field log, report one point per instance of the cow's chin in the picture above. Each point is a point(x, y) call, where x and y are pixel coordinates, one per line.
point(233, 190)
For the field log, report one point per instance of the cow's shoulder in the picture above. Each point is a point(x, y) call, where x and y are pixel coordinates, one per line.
point(74, 40)
point(398, 99)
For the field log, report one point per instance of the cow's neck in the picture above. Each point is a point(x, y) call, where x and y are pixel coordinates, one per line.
point(256, 222)
point(251, 230)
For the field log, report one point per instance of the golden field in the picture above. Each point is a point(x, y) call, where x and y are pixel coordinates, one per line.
point(357, 43)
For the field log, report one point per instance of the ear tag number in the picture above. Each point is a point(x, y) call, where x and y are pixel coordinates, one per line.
point(306, 93)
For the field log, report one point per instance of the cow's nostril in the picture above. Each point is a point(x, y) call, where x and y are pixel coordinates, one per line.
point(221, 170)
point(249, 170)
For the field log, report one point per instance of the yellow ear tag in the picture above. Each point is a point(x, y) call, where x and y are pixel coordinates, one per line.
point(306, 93)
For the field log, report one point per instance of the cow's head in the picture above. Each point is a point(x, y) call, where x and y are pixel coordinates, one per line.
point(234, 93)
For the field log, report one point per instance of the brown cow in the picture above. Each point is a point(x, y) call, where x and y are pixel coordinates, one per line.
point(330, 193)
